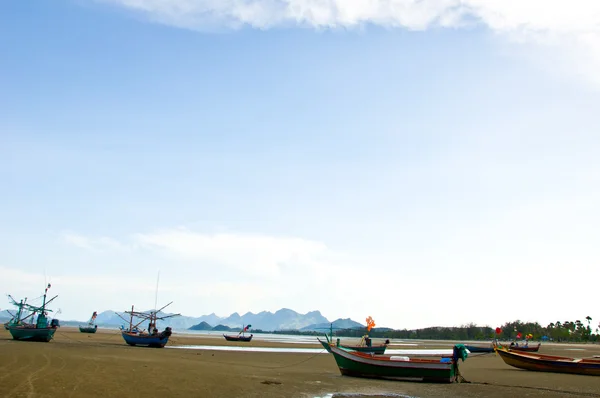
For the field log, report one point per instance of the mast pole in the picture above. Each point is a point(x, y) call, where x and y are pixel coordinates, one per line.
point(131, 320)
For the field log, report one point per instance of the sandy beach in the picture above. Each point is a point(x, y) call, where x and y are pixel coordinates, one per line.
point(76, 364)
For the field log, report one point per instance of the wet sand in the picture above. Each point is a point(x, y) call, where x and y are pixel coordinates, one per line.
point(76, 364)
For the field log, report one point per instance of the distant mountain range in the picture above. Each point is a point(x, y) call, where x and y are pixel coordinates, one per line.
point(283, 319)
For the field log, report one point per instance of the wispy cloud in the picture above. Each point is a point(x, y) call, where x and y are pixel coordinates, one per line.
point(571, 26)
point(247, 253)
point(96, 244)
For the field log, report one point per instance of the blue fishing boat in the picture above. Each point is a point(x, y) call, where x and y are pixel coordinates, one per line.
point(135, 336)
point(158, 340)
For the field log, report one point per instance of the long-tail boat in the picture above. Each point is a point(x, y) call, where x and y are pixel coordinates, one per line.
point(241, 336)
point(525, 348)
point(360, 364)
point(90, 327)
point(549, 363)
point(41, 330)
point(365, 344)
point(480, 348)
point(135, 336)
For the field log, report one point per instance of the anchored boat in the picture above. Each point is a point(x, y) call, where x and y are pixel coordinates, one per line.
point(365, 345)
point(134, 335)
point(360, 364)
point(41, 330)
point(549, 363)
point(240, 336)
point(91, 327)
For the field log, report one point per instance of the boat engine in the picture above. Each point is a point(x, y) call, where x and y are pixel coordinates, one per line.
point(54, 323)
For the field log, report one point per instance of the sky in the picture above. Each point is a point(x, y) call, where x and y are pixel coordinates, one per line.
point(429, 163)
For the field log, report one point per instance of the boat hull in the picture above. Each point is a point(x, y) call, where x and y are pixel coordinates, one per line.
point(86, 329)
point(145, 340)
point(377, 350)
point(553, 364)
point(238, 338)
point(479, 349)
point(31, 334)
point(365, 365)
point(532, 348)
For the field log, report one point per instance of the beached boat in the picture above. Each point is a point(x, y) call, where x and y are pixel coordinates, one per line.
point(549, 363)
point(480, 348)
point(135, 336)
point(359, 364)
point(238, 338)
point(365, 345)
point(525, 348)
point(375, 349)
point(41, 330)
point(90, 327)
point(241, 336)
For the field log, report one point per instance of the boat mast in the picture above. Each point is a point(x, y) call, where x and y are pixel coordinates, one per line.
point(131, 320)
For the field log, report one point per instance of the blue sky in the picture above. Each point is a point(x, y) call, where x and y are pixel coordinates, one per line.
point(299, 154)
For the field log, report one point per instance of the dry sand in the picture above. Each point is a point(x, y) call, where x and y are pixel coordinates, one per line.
point(76, 364)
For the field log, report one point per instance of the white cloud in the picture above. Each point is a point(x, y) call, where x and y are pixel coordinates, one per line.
point(98, 244)
point(571, 27)
point(226, 272)
point(246, 253)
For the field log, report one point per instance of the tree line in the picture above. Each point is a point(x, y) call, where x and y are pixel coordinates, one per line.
point(566, 331)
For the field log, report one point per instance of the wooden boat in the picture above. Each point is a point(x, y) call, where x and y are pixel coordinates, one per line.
point(238, 338)
point(365, 344)
point(375, 349)
point(360, 364)
point(525, 348)
point(478, 348)
point(241, 336)
point(41, 330)
point(150, 338)
point(549, 363)
point(91, 327)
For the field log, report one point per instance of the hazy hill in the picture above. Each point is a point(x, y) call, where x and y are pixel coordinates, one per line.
point(201, 326)
point(337, 324)
point(284, 319)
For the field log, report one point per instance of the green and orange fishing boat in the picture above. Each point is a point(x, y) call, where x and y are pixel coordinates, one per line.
point(41, 330)
point(359, 364)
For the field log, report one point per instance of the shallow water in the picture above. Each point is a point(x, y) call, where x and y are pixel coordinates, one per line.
point(301, 350)
point(250, 349)
point(359, 395)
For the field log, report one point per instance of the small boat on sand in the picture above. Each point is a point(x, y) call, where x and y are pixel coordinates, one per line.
point(241, 336)
point(365, 345)
point(368, 347)
point(359, 364)
point(480, 348)
point(525, 347)
point(90, 327)
point(238, 338)
point(549, 363)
